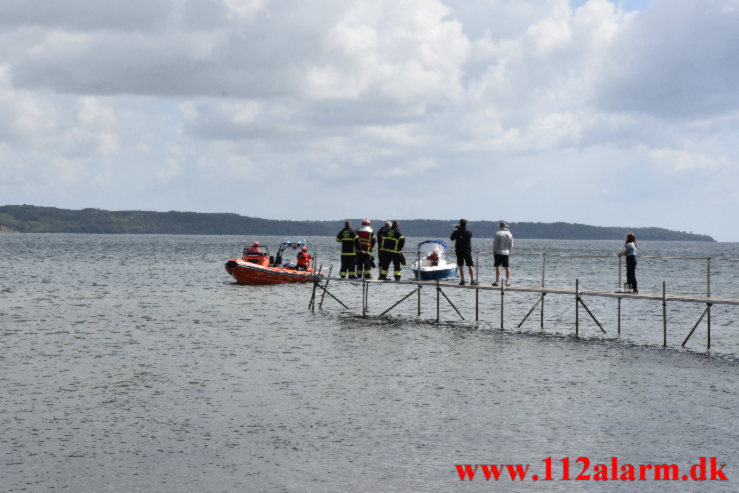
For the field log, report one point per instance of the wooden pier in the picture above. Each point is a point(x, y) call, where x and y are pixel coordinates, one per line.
point(321, 285)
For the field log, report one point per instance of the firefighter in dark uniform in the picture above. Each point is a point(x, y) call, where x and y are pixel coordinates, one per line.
point(364, 244)
point(391, 245)
point(348, 251)
point(380, 233)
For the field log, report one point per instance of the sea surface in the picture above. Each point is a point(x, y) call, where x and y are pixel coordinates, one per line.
point(134, 364)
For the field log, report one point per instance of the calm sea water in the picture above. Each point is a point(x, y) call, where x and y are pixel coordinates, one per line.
point(134, 363)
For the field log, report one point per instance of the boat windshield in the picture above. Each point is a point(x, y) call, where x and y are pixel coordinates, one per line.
point(426, 247)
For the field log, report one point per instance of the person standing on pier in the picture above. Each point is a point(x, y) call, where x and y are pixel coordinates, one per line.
point(348, 252)
point(463, 247)
point(630, 253)
point(391, 246)
point(380, 234)
point(502, 246)
point(364, 244)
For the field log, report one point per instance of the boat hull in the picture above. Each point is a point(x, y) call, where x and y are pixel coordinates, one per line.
point(433, 274)
point(250, 273)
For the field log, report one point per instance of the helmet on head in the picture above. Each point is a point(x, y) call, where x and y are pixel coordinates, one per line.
point(503, 224)
point(305, 249)
point(366, 222)
point(256, 243)
point(387, 224)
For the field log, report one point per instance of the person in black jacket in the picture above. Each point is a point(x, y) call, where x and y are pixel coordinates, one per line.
point(463, 246)
point(348, 251)
point(380, 233)
point(391, 246)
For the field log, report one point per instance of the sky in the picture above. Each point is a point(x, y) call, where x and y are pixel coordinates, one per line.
point(609, 113)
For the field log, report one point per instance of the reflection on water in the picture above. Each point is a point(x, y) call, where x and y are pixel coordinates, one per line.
point(133, 363)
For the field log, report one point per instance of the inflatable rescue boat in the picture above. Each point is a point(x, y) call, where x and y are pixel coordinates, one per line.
point(260, 268)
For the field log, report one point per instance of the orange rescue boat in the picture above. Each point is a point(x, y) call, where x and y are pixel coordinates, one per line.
point(260, 268)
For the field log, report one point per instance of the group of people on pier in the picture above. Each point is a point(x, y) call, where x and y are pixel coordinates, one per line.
point(357, 247)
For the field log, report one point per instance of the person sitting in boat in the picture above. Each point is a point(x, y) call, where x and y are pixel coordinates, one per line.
point(433, 258)
point(253, 249)
point(304, 259)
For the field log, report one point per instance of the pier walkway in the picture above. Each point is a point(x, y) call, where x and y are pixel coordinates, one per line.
point(321, 287)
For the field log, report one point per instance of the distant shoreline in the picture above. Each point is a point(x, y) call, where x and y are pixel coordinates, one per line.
point(34, 219)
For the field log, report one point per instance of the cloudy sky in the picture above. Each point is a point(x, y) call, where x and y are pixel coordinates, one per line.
point(616, 113)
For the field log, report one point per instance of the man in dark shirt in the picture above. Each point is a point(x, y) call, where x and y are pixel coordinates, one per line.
point(463, 246)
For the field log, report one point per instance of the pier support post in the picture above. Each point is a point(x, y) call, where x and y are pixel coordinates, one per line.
point(364, 296)
point(619, 316)
point(477, 267)
point(450, 302)
point(326, 291)
point(419, 300)
point(502, 296)
point(664, 314)
point(323, 295)
point(399, 302)
point(438, 290)
point(477, 304)
point(708, 295)
point(708, 345)
point(540, 300)
point(543, 271)
point(591, 315)
point(577, 308)
point(708, 308)
point(312, 302)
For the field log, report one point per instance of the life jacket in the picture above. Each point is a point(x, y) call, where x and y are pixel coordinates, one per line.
point(365, 239)
point(252, 250)
point(304, 259)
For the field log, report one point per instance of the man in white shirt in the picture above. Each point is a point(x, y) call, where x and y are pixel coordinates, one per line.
point(502, 246)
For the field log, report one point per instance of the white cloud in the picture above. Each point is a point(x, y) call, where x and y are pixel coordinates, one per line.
point(675, 60)
point(681, 160)
point(416, 167)
point(195, 103)
point(244, 8)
